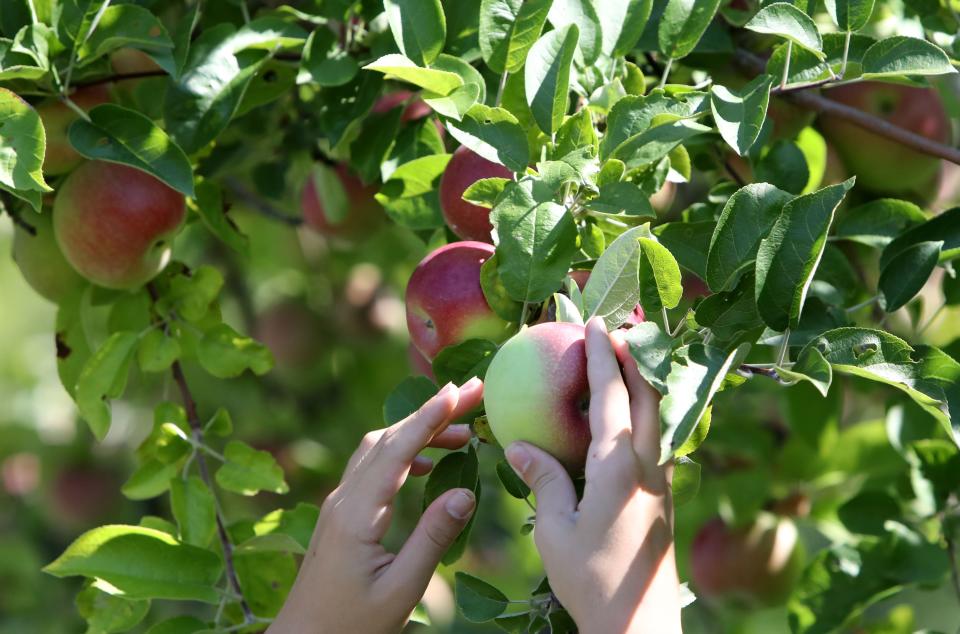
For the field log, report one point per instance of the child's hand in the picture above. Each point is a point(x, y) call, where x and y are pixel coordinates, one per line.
point(610, 559)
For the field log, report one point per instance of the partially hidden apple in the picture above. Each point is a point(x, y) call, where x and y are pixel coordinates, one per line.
point(337, 203)
point(415, 109)
point(636, 317)
point(60, 157)
point(469, 221)
point(882, 165)
point(536, 390)
point(40, 260)
point(115, 223)
point(445, 304)
point(754, 565)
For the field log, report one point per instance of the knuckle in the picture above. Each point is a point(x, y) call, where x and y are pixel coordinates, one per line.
point(440, 535)
point(542, 479)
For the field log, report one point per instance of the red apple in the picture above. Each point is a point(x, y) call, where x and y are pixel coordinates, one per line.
point(84, 495)
point(336, 203)
point(292, 333)
point(757, 564)
point(663, 199)
point(416, 108)
point(445, 303)
point(418, 363)
point(57, 117)
point(536, 390)
point(469, 221)
point(879, 164)
point(40, 260)
point(131, 61)
point(115, 223)
point(636, 317)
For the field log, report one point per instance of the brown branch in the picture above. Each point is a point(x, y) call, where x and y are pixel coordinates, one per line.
point(880, 127)
point(260, 204)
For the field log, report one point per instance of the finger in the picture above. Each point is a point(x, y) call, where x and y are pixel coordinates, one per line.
point(471, 395)
point(549, 481)
point(421, 466)
point(644, 404)
point(453, 437)
point(368, 442)
point(438, 528)
point(609, 401)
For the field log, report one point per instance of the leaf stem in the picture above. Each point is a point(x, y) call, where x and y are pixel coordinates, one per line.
point(666, 320)
point(69, 103)
point(846, 53)
point(862, 304)
point(783, 355)
point(501, 87)
point(666, 72)
point(75, 53)
point(524, 314)
point(932, 319)
point(786, 65)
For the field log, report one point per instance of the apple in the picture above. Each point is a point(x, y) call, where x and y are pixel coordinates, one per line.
point(469, 221)
point(40, 260)
point(131, 61)
point(444, 302)
point(755, 565)
point(292, 333)
point(57, 117)
point(663, 199)
point(337, 203)
point(636, 317)
point(536, 390)
point(416, 107)
point(115, 223)
point(882, 165)
point(418, 363)
point(82, 496)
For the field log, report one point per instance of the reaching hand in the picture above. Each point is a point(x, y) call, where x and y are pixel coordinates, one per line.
point(610, 558)
point(348, 582)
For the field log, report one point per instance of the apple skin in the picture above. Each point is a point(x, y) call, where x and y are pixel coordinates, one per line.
point(881, 165)
point(115, 223)
point(469, 221)
point(418, 363)
point(60, 157)
point(292, 332)
point(130, 61)
point(416, 109)
point(636, 317)
point(754, 565)
point(364, 214)
point(536, 390)
point(445, 303)
point(41, 262)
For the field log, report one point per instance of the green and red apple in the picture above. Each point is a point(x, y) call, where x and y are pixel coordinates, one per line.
point(60, 157)
point(115, 224)
point(337, 203)
point(445, 303)
point(468, 221)
point(40, 260)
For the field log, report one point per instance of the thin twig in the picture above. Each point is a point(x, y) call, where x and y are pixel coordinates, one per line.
point(260, 204)
point(862, 304)
point(734, 174)
point(109, 79)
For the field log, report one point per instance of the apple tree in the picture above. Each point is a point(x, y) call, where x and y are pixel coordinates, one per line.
point(757, 193)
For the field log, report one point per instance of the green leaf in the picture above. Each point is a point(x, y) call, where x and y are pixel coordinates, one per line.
point(122, 26)
point(900, 55)
point(457, 103)
point(486, 191)
point(494, 134)
point(746, 219)
point(730, 314)
point(396, 66)
point(511, 481)
point(179, 625)
point(878, 222)
point(613, 289)
point(634, 114)
point(104, 377)
point(906, 273)
point(622, 22)
point(739, 115)
point(537, 242)
point(209, 206)
point(583, 15)
point(651, 349)
point(812, 367)
point(106, 613)
point(142, 563)
point(157, 351)
point(809, 67)
point(297, 523)
point(696, 374)
point(410, 197)
point(195, 510)
point(686, 481)
point(407, 398)
point(419, 28)
point(547, 76)
point(683, 24)
point(657, 142)
point(689, 242)
point(944, 227)
point(151, 478)
point(508, 28)
point(22, 146)
point(788, 257)
point(455, 470)
point(659, 275)
point(463, 361)
point(850, 15)
point(784, 165)
point(477, 600)
point(225, 353)
point(325, 62)
point(787, 21)
point(248, 471)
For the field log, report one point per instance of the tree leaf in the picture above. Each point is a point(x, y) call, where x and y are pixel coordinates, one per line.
point(652, 350)
point(209, 206)
point(850, 15)
point(407, 398)
point(547, 76)
point(125, 25)
point(195, 510)
point(463, 361)
point(683, 24)
point(104, 377)
point(739, 115)
point(248, 471)
point(567, 311)
point(455, 470)
point(787, 21)
point(622, 22)
point(125, 136)
point(784, 165)
point(613, 289)
point(494, 134)
point(659, 275)
point(508, 28)
point(142, 563)
point(225, 353)
point(477, 600)
point(901, 55)
point(689, 242)
point(788, 257)
point(396, 66)
point(878, 222)
point(657, 142)
point(107, 613)
point(730, 314)
point(419, 27)
point(22, 146)
point(458, 102)
point(812, 367)
point(906, 273)
point(686, 481)
point(944, 227)
point(511, 481)
point(324, 61)
point(746, 219)
point(583, 15)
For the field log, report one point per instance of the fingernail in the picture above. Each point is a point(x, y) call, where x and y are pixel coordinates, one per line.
point(472, 383)
point(519, 458)
point(460, 505)
point(446, 389)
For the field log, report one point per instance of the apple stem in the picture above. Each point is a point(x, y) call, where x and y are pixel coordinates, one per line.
point(666, 72)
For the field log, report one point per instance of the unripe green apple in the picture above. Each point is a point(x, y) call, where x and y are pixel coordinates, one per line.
point(469, 221)
point(40, 260)
point(60, 157)
point(536, 390)
point(337, 203)
point(882, 165)
point(115, 223)
point(753, 565)
point(445, 303)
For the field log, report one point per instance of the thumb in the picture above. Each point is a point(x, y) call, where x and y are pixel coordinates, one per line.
point(547, 478)
point(438, 528)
